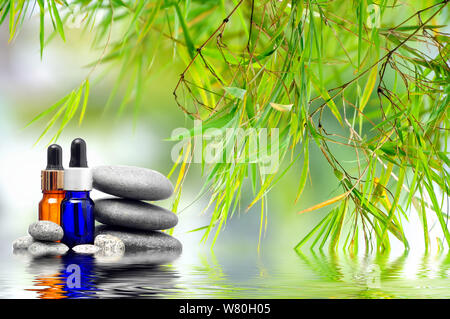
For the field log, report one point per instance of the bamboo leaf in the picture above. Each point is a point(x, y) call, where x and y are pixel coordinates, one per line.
point(340, 222)
point(85, 100)
point(313, 231)
point(281, 107)
point(48, 110)
point(305, 169)
point(236, 92)
point(58, 22)
point(325, 203)
point(326, 97)
point(372, 79)
point(41, 26)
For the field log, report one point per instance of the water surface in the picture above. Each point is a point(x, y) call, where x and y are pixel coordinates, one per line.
point(200, 273)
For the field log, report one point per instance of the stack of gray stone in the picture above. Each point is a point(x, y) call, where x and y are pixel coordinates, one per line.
point(42, 239)
point(128, 216)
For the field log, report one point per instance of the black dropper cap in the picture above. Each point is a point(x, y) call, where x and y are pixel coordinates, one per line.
point(78, 153)
point(54, 157)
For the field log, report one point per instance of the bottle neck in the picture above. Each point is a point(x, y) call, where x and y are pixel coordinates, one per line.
point(77, 194)
point(54, 192)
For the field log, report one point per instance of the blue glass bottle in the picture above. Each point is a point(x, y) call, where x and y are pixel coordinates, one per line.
point(77, 208)
point(77, 218)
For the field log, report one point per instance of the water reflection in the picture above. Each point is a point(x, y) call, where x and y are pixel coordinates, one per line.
point(310, 274)
point(78, 275)
point(135, 274)
point(48, 283)
point(383, 275)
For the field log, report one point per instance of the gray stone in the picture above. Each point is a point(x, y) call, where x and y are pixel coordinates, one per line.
point(109, 245)
point(132, 182)
point(23, 242)
point(133, 214)
point(138, 240)
point(47, 248)
point(86, 249)
point(46, 230)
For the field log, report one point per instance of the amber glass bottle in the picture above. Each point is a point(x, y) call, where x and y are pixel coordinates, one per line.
point(50, 206)
point(52, 185)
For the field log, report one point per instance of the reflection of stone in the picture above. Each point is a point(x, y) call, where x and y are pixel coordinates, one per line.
point(109, 256)
point(23, 242)
point(132, 182)
point(149, 258)
point(44, 265)
point(137, 275)
point(46, 230)
point(136, 240)
point(133, 214)
point(42, 248)
point(22, 253)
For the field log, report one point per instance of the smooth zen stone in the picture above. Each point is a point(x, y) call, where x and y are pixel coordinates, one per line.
point(23, 242)
point(132, 182)
point(46, 248)
point(137, 240)
point(133, 214)
point(46, 230)
point(86, 249)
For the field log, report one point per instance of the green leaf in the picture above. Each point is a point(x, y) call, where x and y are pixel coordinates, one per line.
point(305, 169)
point(313, 231)
point(48, 110)
point(59, 25)
point(372, 79)
point(236, 92)
point(52, 121)
point(85, 100)
point(41, 26)
point(326, 97)
point(187, 37)
point(281, 107)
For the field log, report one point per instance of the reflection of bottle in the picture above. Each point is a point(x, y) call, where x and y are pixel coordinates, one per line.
point(78, 276)
point(47, 281)
point(52, 182)
point(77, 208)
point(52, 287)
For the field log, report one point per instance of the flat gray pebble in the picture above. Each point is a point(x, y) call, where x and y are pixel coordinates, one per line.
point(133, 214)
point(23, 242)
point(138, 240)
point(86, 249)
point(46, 230)
point(39, 248)
point(132, 182)
point(109, 245)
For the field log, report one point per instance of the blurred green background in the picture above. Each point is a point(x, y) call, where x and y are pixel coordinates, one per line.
point(29, 86)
